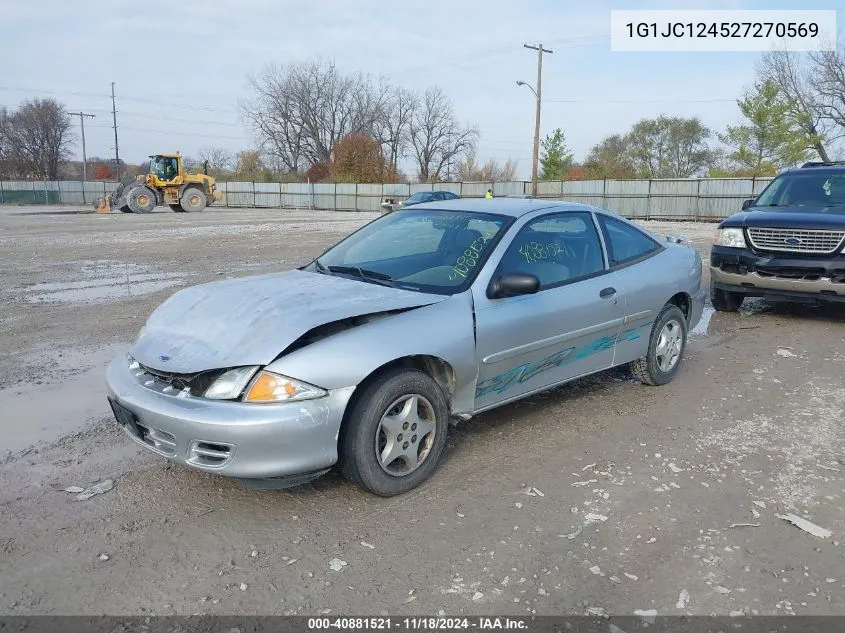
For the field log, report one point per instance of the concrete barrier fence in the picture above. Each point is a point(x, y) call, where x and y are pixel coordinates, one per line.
point(675, 199)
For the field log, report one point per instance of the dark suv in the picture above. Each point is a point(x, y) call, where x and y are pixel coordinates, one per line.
point(786, 244)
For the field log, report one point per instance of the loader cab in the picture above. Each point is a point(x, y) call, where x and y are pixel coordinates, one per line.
point(165, 167)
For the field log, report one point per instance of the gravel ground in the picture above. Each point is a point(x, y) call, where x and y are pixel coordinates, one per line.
point(599, 495)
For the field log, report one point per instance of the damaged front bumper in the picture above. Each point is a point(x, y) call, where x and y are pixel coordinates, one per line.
point(246, 441)
point(785, 275)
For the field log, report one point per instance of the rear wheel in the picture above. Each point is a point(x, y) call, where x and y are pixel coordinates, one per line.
point(724, 300)
point(193, 199)
point(394, 434)
point(665, 348)
point(141, 200)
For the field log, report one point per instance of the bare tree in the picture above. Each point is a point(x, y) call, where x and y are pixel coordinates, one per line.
point(36, 138)
point(797, 85)
point(5, 161)
point(218, 158)
point(393, 126)
point(829, 77)
point(301, 110)
point(436, 137)
point(469, 170)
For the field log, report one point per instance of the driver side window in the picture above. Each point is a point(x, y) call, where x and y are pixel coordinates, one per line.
point(557, 249)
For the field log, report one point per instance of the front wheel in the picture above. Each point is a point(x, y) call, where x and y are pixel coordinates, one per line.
point(394, 433)
point(665, 348)
point(725, 300)
point(141, 200)
point(193, 199)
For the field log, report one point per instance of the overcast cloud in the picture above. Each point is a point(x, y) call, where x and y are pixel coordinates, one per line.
point(180, 66)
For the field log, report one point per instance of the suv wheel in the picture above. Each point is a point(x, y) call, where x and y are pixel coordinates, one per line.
point(724, 300)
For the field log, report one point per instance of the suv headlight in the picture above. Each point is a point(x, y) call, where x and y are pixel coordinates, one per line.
point(735, 238)
point(230, 384)
point(270, 387)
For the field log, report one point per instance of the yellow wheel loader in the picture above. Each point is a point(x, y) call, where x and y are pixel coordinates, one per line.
point(167, 183)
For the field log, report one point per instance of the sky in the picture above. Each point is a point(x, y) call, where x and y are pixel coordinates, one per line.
point(180, 66)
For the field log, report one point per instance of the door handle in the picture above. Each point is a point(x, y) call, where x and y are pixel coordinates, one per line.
point(607, 292)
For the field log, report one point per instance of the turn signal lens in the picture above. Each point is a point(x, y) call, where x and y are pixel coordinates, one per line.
point(270, 387)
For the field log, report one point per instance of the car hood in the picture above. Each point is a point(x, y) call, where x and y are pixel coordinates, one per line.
point(788, 217)
point(251, 320)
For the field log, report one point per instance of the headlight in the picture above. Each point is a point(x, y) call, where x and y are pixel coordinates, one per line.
point(230, 385)
point(270, 387)
point(734, 238)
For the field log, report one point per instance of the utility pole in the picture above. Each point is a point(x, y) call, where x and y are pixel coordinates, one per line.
point(114, 119)
point(538, 93)
point(82, 116)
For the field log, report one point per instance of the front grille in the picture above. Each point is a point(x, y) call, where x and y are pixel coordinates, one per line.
point(795, 240)
point(196, 384)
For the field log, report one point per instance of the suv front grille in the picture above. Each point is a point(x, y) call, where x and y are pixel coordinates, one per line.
point(795, 240)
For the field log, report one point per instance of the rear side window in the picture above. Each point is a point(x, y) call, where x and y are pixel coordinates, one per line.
point(626, 244)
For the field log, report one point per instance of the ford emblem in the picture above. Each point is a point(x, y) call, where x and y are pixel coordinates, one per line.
point(164, 358)
point(792, 241)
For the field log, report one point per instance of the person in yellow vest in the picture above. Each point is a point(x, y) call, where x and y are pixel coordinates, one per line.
point(489, 194)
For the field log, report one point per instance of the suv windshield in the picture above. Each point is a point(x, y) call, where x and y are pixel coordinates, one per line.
point(804, 189)
point(429, 251)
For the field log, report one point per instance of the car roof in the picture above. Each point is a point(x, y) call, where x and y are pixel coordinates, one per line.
point(514, 207)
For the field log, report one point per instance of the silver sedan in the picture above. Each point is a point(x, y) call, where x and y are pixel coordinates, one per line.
point(362, 357)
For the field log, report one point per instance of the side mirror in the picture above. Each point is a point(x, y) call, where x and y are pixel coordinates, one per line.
point(512, 285)
point(746, 204)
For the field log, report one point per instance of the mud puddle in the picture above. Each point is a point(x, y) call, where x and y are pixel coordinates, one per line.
point(47, 409)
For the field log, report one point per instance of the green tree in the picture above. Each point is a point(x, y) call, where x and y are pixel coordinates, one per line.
point(611, 158)
point(774, 134)
point(555, 159)
point(669, 147)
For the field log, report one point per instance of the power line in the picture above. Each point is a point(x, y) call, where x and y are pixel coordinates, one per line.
point(639, 100)
point(48, 91)
point(172, 133)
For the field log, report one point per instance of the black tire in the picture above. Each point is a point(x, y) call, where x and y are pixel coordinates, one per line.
point(193, 199)
point(655, 368)
point(362, 433)
point(141, 200)
point(176, 208)
point(725, 300)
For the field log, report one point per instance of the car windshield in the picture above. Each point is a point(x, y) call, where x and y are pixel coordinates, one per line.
point(804, 189)
point(429, 251)
point(420, 196)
